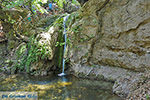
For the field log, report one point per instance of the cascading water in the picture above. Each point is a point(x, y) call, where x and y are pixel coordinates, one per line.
point(65, 37)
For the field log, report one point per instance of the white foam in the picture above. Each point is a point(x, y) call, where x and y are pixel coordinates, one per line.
point(61, 74)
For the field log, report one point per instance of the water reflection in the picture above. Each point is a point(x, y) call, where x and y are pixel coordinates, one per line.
point(63, 79)
point(60, 88)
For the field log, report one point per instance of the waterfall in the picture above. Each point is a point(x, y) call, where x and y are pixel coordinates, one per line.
point(65, 38)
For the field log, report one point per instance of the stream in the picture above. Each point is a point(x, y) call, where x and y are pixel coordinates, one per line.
point(59, 88)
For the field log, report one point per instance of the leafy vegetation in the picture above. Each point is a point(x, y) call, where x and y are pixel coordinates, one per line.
point(60, 2)
point(34, 53)
point(147, 97)
point(32, 5)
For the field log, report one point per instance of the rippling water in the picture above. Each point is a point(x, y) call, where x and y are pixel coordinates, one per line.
point(59, 88)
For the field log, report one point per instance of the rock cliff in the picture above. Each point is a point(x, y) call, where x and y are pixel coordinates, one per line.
point(114, 40)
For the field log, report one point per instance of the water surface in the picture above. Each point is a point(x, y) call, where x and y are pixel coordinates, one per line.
point(59, 88)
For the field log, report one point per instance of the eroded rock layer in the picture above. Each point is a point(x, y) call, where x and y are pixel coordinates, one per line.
point(114, 33)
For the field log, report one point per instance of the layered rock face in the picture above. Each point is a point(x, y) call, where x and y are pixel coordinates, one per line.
point(115, 36)
point(119, 36)
point(125, 40)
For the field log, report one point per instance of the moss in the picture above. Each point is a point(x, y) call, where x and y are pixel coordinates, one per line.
point(28, 54)
point(59, 51)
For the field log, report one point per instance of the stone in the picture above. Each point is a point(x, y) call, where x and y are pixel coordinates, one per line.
point(124, 42)
point(119, 45)
point(121, 41)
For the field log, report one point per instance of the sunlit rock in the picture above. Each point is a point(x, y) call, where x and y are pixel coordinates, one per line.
point(115, 36)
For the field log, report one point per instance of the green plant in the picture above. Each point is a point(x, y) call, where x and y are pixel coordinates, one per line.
point(35, 53)
point(60, 42)
point(147, 97)
point(60, 2)
point(75, 2)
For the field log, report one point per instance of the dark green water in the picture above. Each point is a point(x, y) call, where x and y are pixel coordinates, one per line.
point(59, 88)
